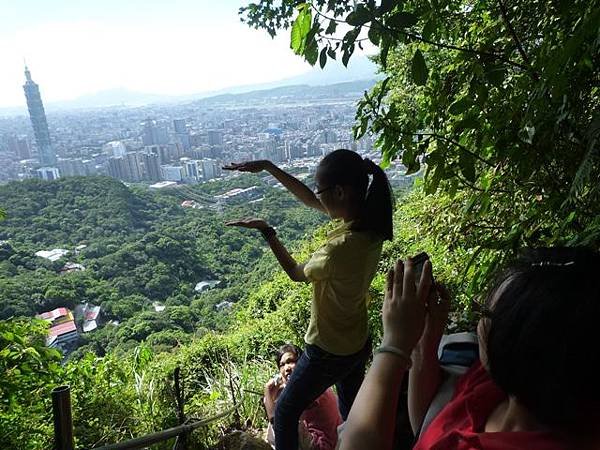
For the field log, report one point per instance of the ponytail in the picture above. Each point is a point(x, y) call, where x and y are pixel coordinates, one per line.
point(345, 167)
point(379, 203)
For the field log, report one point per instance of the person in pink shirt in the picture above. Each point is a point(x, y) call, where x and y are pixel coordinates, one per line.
point(318, 424)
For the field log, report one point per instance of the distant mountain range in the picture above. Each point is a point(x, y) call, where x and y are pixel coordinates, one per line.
point(359, 68)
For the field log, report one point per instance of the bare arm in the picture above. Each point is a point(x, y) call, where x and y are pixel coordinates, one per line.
point(294, 270)
point(423, 383)
point(291, 183)
point(426, 375)
point(372, 417)
point(301, 191)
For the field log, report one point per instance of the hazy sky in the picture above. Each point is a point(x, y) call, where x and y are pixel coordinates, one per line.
point(156, 46)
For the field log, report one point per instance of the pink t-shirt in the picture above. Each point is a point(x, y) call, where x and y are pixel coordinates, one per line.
point(317, 429)
point(321, 420)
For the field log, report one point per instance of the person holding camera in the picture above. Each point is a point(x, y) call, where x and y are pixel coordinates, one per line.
point(534, 385)
point(317, 429)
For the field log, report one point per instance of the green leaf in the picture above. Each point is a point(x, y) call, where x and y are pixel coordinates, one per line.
point(419, 69)
point(402, 19)
point(460, 106)
point(495, 74)
point(300, 29)
point(466, 163)
point(351, 36)
point(359, 16)
point(428, 29)
point(331, 53)
point(347, 54)
point(386, 6)
point(383, 54)
point(374, 35)
point(323, 57)
point(312, 52)
point(468, 123)
point(331, 27)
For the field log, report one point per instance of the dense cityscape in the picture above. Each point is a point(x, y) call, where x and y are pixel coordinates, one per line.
point(170, 144)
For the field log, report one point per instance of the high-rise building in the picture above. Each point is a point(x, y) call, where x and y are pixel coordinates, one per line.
point(115, 148)
point(151, 165)
point(210, 169)
point(126, 168)
point(48, 173)
point(154, 134)
point(179, 126)
point(23, 147)
point(134, 166)
point(193, 170)
point(181, 134)
point(215, 137)
point(72, 167)
point(172, 173)
point(38, 121)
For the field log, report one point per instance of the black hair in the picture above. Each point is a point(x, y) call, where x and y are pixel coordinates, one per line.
point(347, 168)
point(542, 344)
point(287, 348)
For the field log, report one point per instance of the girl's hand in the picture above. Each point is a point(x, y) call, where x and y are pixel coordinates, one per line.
point(249, 166)
point(438, 308)
point(404, 306)
point(259, 224)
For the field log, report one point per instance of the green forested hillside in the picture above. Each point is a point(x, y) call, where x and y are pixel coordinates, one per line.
point(218, 366)
point(141, 247)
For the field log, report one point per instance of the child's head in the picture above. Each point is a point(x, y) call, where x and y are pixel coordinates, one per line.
point(540, 337)
point(342, 185)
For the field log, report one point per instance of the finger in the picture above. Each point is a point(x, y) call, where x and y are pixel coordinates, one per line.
point(389, 284)
point(398, 278)
point(425, 281)
point(408, 287)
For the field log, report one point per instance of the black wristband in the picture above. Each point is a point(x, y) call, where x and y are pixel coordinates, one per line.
point(268, 232)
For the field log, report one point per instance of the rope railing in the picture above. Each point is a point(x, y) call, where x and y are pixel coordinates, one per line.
point(63, 424)
point(164, 435)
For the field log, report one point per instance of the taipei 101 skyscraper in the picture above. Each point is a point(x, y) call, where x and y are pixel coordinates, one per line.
point(38, 121)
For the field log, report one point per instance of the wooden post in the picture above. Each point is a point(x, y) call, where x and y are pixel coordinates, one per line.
point(63, 423)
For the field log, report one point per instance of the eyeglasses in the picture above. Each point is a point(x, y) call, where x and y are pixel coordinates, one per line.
point(320, 191)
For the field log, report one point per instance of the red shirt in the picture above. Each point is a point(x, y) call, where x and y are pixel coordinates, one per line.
point(460, 425)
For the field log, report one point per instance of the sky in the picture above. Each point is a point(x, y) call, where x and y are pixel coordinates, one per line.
point(169, 47)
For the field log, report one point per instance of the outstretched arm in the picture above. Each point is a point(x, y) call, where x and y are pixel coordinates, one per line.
point(294, 270)
point(291, 183)
point(371, 420)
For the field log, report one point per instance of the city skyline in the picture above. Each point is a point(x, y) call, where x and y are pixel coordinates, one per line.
point(170, 48)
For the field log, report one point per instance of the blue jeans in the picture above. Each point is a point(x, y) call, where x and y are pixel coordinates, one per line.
point(316, 371)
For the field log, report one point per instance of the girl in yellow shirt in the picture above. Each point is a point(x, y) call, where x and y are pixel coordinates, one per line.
point(356, 191)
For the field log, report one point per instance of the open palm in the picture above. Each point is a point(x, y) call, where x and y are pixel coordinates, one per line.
point(248, 223)
point(247, 166)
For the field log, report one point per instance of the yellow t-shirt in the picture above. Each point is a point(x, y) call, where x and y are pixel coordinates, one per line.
point(341, 272)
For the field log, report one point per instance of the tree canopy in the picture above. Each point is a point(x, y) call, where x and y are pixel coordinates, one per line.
point(497, 101)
